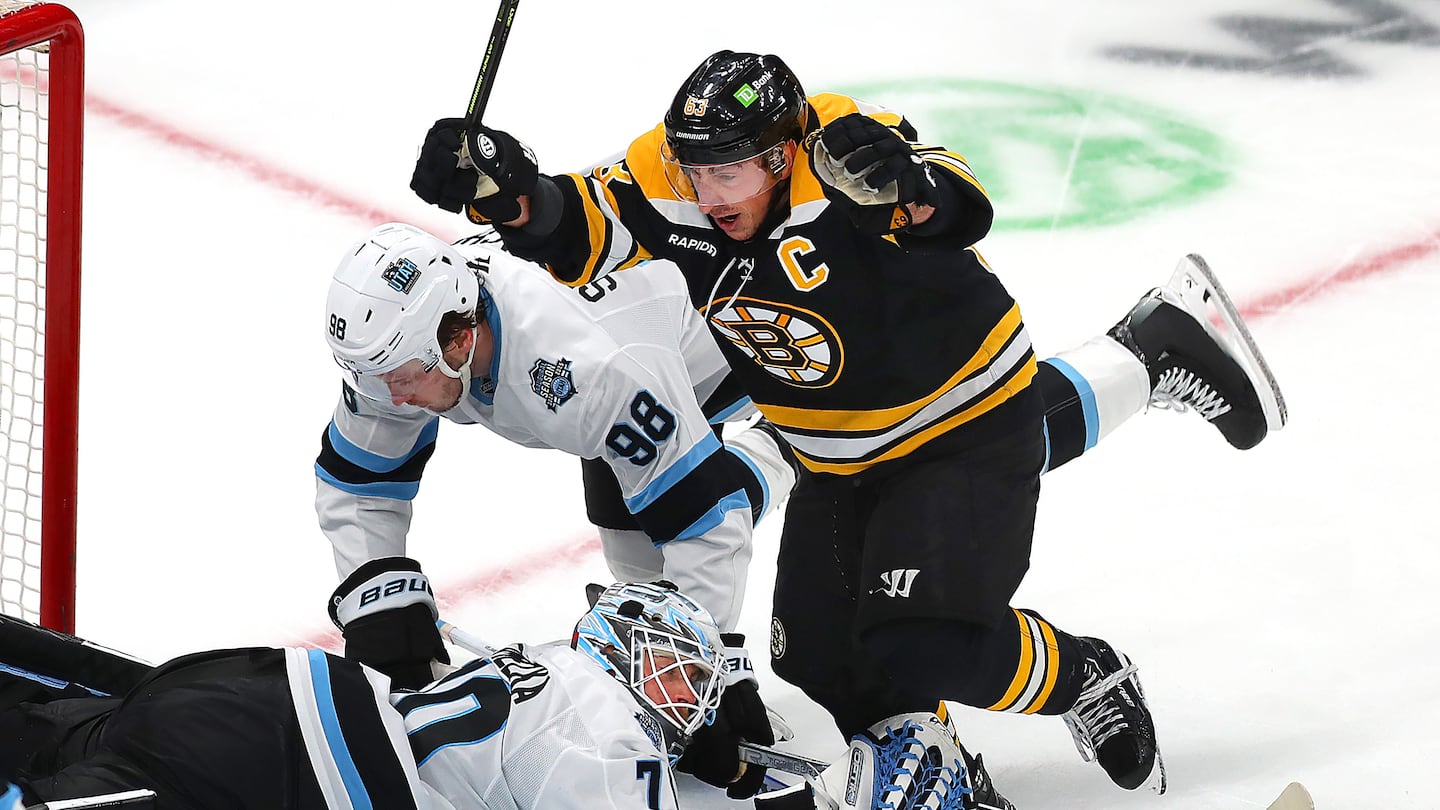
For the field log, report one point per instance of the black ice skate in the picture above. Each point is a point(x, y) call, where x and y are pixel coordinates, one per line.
point(1193, 365)
point(1111, 721)
point(983, 795)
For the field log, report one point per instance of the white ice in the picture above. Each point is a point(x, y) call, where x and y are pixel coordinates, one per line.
point(1280, 602)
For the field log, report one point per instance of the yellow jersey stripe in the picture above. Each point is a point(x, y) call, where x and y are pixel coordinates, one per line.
point(810, 419)
point(1017, 383)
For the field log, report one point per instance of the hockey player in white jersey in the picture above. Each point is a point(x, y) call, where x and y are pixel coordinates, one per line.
point(593, 724)
point(623, 372)
point(616, 371)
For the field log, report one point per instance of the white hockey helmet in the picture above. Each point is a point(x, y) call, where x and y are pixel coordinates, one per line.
point(386, 301)
point(664, 647)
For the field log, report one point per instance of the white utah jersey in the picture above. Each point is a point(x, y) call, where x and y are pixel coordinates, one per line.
point(536, 728)
point(615, 370)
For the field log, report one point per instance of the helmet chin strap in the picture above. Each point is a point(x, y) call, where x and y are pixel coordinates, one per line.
point(463, 374)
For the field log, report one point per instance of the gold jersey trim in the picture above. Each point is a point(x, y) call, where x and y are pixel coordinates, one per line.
point(914, 441)
point(886, 418)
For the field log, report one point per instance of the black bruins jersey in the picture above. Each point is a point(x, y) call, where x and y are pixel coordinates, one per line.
point(860, 348)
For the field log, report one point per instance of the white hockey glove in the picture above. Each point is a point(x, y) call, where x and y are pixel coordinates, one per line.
point(386, 612)
point(713, 754)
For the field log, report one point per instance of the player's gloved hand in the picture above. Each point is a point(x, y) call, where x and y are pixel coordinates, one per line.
point(387, 614)
point(713, 755)
point(874, 173)
point(499, 171)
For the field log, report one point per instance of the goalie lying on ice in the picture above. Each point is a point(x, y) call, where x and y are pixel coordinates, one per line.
point(592, 725)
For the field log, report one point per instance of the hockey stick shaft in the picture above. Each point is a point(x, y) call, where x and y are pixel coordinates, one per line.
point(782, 760)
point(130, 799)
point(464, 640)
point(485, 82)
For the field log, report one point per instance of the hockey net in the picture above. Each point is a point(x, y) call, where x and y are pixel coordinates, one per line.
point(41, 121)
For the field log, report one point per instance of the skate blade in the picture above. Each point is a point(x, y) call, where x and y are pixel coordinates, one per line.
point(1157, 783)
point(1293, 797)
point(1198, 285)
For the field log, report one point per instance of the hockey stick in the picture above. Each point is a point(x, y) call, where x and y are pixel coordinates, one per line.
point(485, 81)
point(132, 799)
point(782, 760)
point(463, 640)
point(1293, 797)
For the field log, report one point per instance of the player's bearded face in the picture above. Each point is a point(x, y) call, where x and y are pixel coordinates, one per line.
point(431, 389)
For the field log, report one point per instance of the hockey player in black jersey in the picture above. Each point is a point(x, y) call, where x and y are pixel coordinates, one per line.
point(832, 252)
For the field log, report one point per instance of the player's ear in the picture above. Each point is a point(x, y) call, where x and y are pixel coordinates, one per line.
point(791, 150)
point(462, 341)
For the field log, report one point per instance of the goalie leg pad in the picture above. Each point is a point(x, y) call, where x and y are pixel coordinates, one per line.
point(906, 762)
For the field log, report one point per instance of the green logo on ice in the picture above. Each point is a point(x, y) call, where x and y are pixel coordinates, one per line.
point(1058, 158)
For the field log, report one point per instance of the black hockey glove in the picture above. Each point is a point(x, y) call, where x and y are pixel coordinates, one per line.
point(713, 755)
point(501, 169)
point(387, 614)
point(869, 169)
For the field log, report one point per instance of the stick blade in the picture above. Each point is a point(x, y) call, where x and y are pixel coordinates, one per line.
point(1293, 797)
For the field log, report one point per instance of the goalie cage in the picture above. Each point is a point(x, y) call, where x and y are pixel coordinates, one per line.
point(41, 123)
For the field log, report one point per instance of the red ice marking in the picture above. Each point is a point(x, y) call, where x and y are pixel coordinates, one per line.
point(260, 170)
point(508, 578)
point(501, 581)
point(1325, 281)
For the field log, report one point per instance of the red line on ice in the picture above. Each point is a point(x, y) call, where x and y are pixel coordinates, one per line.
point(512, 576)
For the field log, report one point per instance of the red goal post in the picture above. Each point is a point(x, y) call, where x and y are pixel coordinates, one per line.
point(42, 101)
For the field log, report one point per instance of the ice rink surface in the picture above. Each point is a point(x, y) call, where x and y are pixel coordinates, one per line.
point(1281, 602)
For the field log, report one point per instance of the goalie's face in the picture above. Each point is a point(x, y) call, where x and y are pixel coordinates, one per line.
point(678, 689)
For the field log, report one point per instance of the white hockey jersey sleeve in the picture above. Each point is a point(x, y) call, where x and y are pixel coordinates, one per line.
point(367, 474)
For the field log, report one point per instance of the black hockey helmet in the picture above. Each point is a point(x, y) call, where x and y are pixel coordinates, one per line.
point(735, 106)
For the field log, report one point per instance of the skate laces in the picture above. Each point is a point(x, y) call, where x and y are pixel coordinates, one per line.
point(1180, 389)
point(919, 778)
point(1096, 718)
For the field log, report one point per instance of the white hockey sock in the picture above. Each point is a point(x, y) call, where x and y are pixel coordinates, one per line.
point(767, 461)
point(1112, 382)
point(631, 555)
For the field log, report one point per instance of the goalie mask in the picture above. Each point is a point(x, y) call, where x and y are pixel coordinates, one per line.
point(664, 648)
point(387, 300)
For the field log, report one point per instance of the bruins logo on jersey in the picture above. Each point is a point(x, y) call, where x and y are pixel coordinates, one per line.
point(794, 344)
